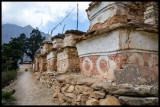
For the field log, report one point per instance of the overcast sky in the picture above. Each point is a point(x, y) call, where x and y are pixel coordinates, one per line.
point(45, 15)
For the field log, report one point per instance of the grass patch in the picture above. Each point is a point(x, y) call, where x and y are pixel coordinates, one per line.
point(7, 76)
point(7, 97)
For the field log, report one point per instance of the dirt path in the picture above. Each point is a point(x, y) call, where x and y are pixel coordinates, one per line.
point(30, 91)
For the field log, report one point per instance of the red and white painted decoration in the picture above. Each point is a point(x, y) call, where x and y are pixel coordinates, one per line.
point(87, 65)
point(104, 65)
point(100, 66)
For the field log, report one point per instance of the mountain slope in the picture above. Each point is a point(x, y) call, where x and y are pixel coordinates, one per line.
point(11, 30)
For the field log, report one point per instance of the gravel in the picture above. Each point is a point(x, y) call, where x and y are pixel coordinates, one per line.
point(29, 91)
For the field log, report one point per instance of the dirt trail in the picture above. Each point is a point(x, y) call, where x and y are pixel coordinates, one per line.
point(30, 91)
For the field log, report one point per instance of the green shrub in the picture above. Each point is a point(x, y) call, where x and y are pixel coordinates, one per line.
point(7, 76)
point(7, 97)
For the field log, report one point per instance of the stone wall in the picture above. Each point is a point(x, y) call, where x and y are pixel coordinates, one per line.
point(70, 36)
point(52, 61)
point(55, 57)
point(35, 64)
point(114, 63)
point(67, 60)
point(57, 41)
point(76, 89)
point(46, 45)
point(42, 63)
point(103, 14)
point(151, 13)
point(108, 46)
point(100, 58)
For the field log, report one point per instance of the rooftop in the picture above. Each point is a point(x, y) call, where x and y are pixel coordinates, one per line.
point(26, 62)
point(58, 36)
point(74, 31)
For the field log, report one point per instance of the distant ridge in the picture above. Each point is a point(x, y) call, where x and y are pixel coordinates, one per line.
point(12, 30)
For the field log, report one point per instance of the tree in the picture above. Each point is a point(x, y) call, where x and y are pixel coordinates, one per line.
point(15, 49)
point(10, 54)
point(22, 40)
point(33, 43)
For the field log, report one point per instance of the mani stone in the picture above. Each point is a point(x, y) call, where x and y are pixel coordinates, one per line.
point(138, 101)
point(109, 100)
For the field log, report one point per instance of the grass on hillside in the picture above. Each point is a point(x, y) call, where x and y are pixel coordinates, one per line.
point(7, 76)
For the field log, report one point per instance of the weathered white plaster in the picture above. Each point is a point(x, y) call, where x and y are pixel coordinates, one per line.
point(62, 55)
point(57, 40)
point(111, 65)
point(136, 56)
point(33, 65)
point(107, 42)
point(68, 40)
point(120, 51)
point(151, 15)
point(43, 49)
point(99, 7)
point(50, 55)
point(150, 20)
point(103, 16)
point(138, 40)
point(151, 7)
point(151, 61)
point(102, 12)
point(37, 60)
point(118, 40)
point(62, 65)
point(143, 40)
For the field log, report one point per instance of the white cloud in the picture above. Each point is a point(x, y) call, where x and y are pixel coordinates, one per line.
point(37, 14)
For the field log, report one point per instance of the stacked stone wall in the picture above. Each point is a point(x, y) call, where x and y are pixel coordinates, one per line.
point(114, 63)
point(76, 89)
